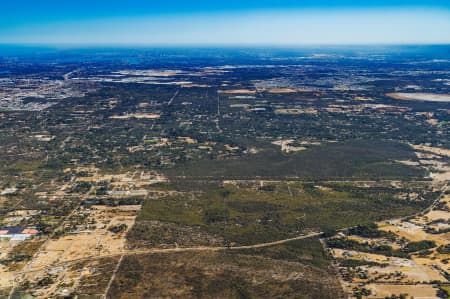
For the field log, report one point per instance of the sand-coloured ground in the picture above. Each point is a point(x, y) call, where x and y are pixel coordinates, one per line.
point(295, 111)
point(412, 232)
point(287, 146)
point(419, 291)
point(412, 271)
point(6, 277)
point(137, 115)
point(237, 91)
point(97, 239)
point(420, 96)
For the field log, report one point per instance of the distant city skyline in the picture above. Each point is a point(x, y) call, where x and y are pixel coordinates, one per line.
point(233, 22)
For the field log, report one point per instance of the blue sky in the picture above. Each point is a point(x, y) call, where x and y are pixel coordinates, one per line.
point(224, 22)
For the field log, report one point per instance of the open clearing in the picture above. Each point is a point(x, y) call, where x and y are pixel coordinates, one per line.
point(6, 278)
point(95, 238)
point(137, 115)
point(237, 91)
point(427, 97)
point(419, 291)
point(412, 271)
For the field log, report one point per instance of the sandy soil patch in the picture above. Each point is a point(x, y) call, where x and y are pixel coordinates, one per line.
point(417, 291)
point(433, 122)
point(6, 277)
point(3, 200)
point(126, 179)
point(243, 97)
point(95, 239)
point(295, 111)
point(369, 257)
point(408, 162)
point(420, 96)
point(441, 176)
point(237, 91)
point(189, 140)
point(130, 208)
point(289, 111)
point(436, 150)
point(137, 115)
point(412, 232)
point(412, 273)
point(437, 214)
point(412, 270)
point(363, 99)
point(432, 156)
point(151, 73)
point(287, 147)
point(192, 85)
point(283, 90)
point(243, 106)
point(434, 261)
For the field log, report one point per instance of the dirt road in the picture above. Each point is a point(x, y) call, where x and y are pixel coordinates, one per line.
point(172, 250)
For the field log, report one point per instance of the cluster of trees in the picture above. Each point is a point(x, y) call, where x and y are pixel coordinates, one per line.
point(115, 229)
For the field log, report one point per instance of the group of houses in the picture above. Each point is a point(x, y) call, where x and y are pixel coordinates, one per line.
point(17, 234)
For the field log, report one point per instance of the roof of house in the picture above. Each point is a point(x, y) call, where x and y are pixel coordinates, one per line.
point(18, 231)
point(30, 231)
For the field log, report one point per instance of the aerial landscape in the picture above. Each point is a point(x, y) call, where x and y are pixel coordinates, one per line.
point(219, 171)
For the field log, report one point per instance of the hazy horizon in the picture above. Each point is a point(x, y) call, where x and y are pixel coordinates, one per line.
point(200, 23)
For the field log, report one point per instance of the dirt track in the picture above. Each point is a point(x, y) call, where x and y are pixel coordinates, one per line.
point(173, 250)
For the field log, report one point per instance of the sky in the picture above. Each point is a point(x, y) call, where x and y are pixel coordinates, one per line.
point(224, 22)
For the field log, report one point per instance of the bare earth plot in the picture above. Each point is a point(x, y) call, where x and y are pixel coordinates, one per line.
point(99, 231)
point(427, 97)
point(419, 291)
point(98, 238)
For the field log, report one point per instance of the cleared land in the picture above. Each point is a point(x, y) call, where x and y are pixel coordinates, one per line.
point(417, 291)
point(426, 97)
point(96, 234)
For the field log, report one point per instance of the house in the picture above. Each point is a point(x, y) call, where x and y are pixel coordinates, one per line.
point(17, 234)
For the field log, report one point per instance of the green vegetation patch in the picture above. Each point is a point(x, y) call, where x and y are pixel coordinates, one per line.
point(360, 159)
point(351, 263)
point(370, 231)
point(250, 214)
point(343, 243)
point(220, 275)
point(307, 251)
point(419, 246)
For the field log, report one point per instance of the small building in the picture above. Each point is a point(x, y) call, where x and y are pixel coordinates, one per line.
point(9, 191)
point(17, 234)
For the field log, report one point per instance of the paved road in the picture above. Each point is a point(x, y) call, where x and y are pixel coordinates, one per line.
point(173, 98)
